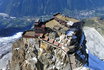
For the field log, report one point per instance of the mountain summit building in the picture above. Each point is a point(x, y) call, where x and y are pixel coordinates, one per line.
point(60, 33)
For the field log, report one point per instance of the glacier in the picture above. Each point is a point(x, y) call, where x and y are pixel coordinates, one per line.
point(95, 45)
point(6, 48)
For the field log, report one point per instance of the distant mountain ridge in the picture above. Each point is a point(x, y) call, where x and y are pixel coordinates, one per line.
point(42, 7)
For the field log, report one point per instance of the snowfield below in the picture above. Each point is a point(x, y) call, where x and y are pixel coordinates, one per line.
point(6, 48)
point(95, 42)
point(95, 45)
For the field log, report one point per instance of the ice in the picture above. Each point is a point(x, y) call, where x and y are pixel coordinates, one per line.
point(95, 42)
point(6, 48)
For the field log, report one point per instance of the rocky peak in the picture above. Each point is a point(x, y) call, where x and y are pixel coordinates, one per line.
point(61, 46)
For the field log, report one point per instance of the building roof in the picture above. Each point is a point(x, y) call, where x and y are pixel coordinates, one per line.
point(65, 18)
point(52, 23)
point(29, 34)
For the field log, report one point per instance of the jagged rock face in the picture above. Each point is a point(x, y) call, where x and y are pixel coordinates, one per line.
point(28, 56)
point(41, 7)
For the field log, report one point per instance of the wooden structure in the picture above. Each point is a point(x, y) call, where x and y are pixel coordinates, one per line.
point(29, 34)
point(40, 33)
point(58, 20)
point(65, 18)
point(52, 23)
point(39, 28)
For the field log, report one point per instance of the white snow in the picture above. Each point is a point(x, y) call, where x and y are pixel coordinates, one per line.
point(87, 51)
point(95, 45)
point(4, 15)
point(35, 59)
point(6, 43)
point(70, 33)
point(95, 42)
point(82, 68)
point(70, 23)
point(5, 48)
point(4, 61)
point(16, 48)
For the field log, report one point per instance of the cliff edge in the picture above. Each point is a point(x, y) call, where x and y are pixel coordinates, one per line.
point(57, 44)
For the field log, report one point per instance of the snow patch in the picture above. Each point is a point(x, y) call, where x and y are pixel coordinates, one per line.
point(4, 61)
point(6, 47)
point(95, 42)
point(82, 68)
point(70, 23)
point(4, 15)
point(95, 46)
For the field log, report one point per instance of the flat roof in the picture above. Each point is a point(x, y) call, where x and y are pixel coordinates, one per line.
point(52, 23)
point(65, 18)
point(29, 33)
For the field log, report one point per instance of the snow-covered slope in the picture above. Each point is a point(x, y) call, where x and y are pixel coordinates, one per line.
point(95, 42)
point(5, 48)
point(95, 45)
